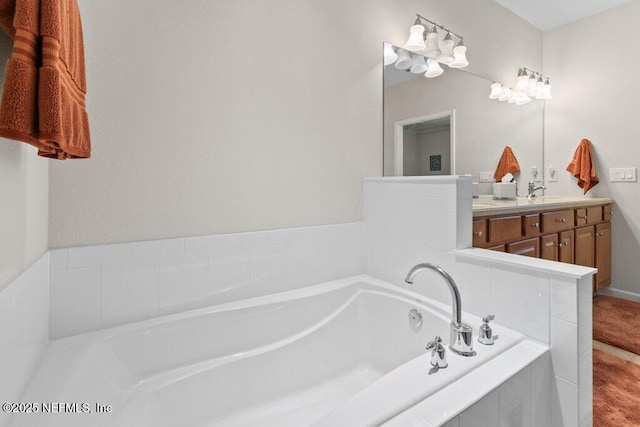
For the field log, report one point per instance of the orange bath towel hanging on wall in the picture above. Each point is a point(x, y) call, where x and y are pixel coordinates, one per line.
point(43, 101)
point(581, 166)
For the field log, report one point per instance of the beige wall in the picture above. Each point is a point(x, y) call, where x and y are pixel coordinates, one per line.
point(593, 64)
point(220, 116)
point(23, 198)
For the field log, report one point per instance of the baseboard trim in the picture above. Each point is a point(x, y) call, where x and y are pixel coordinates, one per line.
point(614, 292)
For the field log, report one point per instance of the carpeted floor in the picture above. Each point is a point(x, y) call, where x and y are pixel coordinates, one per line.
point(616, 321)
point(616, 391)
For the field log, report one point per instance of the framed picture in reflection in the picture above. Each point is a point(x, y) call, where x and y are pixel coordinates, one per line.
point(435, 163)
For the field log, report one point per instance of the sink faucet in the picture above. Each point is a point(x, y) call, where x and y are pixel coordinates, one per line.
point(461, 341)
point(531, 193)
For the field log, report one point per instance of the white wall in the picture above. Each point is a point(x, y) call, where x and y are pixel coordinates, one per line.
point(434, 142)
point(593, 69)
point(23, 199)
point(219, 116)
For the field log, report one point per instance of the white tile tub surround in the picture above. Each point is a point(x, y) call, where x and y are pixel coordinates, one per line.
point(510, 390)
point(24, 328)
point(95, 287)
point(547, 301)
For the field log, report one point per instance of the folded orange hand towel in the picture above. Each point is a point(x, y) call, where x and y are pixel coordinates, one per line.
point(507, 164)
point(43, 102)
point(581, 166)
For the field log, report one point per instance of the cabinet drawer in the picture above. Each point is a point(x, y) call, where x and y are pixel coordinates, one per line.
point(506, 228)
point(531, 225)
point(607, 212)
point(498, 248)
point(479, 232)
point(557, 221)
point(594, 215)
point(529, 247)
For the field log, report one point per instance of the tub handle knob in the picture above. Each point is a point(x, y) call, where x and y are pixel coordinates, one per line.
point(485, 336)
point(438, 353)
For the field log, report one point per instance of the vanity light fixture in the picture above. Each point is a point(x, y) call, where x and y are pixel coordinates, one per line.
point(445, 51)
point(404, 61)
point(496, 90)
point(446, 54)
point(432, 49)
point(416, 37)
point(390, 55)
point(419, 65)
point(530, 84)
point(460, 56)
point(434, 69)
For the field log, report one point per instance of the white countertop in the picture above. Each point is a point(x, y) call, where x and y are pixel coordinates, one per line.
point(486, 205)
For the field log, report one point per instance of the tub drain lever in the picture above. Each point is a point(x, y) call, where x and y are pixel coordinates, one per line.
point(438, 353)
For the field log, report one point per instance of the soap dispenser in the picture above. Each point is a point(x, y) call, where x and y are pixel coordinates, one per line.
point(485, 335)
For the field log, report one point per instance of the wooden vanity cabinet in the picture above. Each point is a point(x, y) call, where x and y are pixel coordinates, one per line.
point(577, 236)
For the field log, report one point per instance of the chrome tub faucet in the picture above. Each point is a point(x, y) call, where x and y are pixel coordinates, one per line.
point(461, 341)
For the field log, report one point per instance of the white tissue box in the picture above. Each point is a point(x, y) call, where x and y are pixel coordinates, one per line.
point(504, 190)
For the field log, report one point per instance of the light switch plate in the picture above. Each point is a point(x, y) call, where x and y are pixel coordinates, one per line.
point(623, 174)
point(552, 174)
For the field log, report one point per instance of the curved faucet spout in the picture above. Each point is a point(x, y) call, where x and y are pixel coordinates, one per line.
point(456, 304)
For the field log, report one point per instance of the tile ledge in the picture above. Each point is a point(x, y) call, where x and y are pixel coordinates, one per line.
point(527, 263)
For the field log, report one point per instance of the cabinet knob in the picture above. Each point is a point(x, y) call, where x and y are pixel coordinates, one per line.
point(477, 233)
point(584, 217)
point(535, 225)
point(598, 234)
point(562, 220)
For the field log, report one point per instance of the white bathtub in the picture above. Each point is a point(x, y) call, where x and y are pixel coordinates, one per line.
point(339, 353)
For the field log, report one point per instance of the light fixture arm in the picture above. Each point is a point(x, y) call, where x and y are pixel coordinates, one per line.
point(529, 70)
point(442, 27)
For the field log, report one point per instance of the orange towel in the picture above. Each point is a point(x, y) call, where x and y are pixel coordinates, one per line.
point(43, 102)
point(581, 166)
point(507, 164)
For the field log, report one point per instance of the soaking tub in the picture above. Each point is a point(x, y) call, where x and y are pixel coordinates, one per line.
point(338, 353)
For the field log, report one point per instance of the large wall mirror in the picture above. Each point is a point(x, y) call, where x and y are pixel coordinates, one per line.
point(448, 125)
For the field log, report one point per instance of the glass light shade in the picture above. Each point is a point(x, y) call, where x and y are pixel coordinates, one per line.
point(432, 50)
point(416, 38)
point(390, 55)
point(506, 94)
point(523, 81)
point(522, 99)
point(404, 61)
point(539, 85)
point(531, 90)
point(546, 91)
point(446, 47)
point(434, 69)
point(460, 56)
point(419, 65)
point(513, 97)
point(496, 91)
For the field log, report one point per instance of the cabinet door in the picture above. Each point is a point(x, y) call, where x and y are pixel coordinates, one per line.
point(603, 255)
point(585, 246)
point(566, 247)
point(549, 247)
point(479, 232)
point(529, 247)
